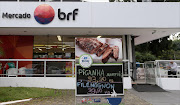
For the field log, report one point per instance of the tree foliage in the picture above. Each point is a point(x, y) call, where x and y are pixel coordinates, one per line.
point(176, 45)
point(162, 48)
point(167, 55)
point(142, 57)
point(142, 0)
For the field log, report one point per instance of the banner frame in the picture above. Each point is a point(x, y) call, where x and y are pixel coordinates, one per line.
point(98, 94)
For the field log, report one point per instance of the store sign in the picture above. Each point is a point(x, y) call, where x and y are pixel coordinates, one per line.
point(64, 16)
point(16, 15)
point(43, 14)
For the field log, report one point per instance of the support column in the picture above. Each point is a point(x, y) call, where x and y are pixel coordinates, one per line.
point(129, 53)
point(125, 48)
point(125, 56)
point(133, 59)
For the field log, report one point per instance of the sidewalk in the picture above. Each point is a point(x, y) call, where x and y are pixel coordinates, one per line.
point(159, 98)
point(131, 99)
point(68, 98)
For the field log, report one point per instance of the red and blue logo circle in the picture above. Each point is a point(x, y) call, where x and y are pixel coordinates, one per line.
point(44, 14)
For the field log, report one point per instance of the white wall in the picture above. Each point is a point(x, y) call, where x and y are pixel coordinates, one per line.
point(169, 83)
point(96, 0)
point(98, 15)
point(127, 83)
point(136, 15)
point(47, 82)
point(43, 82)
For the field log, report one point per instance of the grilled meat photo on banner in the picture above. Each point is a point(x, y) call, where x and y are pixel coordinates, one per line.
point(101, 49)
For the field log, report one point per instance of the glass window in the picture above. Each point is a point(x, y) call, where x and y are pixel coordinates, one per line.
point(54, 47)
point(31, 69)
point(8, 0)
point(53, 68)
point(8, 69)
point(71, 0)
point(16, 47)
point(29, 0)
point(50, 0)
point(37, 47)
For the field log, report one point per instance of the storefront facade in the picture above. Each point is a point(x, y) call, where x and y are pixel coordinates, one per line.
point(41, 35)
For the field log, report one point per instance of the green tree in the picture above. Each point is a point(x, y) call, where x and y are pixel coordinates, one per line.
point(157, 46)
point(176, 45)
point(142, 0)
point(142, 57)
point(167, 54)
point(158, 49)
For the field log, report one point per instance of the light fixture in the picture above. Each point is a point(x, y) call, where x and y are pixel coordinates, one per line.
point(98, 36)
point(59, 38)
point(40, 49)
point(44, 46)
point(63, 49)
point(48, 48)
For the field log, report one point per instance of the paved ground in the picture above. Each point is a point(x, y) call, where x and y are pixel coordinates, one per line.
point(128, 99)
point(159, 98)
point(68, 98)
point(131, 97)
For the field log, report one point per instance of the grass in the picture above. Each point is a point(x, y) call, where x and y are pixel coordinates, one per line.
point(18, 93)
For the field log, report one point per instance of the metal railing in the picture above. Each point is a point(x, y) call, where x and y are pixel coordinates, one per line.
point(126, 68)
point(44, 68)
point(89, 0)
point(45, 0)
point(140, 74)
point(162, 67)
point(150, 72)
point(41, 0)
point(37, 67)
point(144, 0)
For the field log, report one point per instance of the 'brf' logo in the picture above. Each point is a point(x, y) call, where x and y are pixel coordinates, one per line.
point(44, 14)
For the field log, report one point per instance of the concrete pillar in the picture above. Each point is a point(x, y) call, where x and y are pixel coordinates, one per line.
point(133, 59)
point(129, 53)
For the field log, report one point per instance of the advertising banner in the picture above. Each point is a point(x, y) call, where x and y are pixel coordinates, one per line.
point(102, 50)
point(98, 66)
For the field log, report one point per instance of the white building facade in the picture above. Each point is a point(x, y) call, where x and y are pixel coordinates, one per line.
point(135, 23)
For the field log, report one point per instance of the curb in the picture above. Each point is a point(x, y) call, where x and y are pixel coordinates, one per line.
point(13, 102)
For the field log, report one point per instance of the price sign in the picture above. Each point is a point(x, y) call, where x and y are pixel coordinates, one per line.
point(99, 80)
